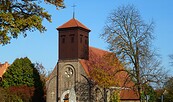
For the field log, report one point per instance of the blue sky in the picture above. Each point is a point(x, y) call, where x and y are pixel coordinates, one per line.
point(43, 47)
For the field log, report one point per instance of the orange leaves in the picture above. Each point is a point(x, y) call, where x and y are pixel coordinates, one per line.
point(58, 3)
point(103, 68)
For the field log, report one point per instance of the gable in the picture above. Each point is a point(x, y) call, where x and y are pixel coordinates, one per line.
point(3, 68)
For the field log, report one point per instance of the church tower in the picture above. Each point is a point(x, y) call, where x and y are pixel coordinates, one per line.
point(73, 47)
point(73, 40)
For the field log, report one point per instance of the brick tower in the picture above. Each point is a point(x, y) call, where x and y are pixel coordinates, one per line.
point(73, 40)
point(73, 47)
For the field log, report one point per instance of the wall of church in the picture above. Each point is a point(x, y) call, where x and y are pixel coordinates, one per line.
point(51, 87)
point(69, 74)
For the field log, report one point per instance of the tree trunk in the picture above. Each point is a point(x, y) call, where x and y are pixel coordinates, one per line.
point(137, 67)
point(105, 95)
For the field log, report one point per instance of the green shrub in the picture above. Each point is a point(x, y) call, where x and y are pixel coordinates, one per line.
point(7, 96)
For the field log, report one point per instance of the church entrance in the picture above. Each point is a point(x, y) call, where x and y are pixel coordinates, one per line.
point(66, 98)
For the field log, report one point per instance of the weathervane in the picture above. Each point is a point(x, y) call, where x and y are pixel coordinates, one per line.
point(74, 10)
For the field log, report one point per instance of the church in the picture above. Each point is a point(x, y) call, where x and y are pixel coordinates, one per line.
point(70, 77)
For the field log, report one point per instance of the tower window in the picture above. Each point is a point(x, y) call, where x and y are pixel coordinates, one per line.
point(86, 40)
point(72, 38)
point(81, 38)
point(63, 38)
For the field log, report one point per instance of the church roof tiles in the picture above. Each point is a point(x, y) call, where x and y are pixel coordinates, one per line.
point(73, 23)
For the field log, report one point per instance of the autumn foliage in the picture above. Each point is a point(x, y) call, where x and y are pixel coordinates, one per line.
point(104, 68)
point(19, 16)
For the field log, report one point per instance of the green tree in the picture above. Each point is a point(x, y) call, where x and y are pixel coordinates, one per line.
point(21, 72)
point(19, 16)
point(150, 93)
point(43, 76)
point(22, 77)
point(130, 38)
point(115, 97)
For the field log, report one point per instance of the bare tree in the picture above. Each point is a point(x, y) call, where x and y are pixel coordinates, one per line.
point(42, 71)
point(171, 58)
point(96, 93)
point(130, 38)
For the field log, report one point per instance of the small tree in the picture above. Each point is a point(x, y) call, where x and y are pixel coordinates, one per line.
point(21, 72)
point(168, 93)
point(149, 93)
point(42, 71)
point(115, 97)
point(104, 71)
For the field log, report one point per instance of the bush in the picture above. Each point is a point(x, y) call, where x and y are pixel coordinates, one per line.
point(7, 96)
point(22, 79)
point(20, 72)
point(24, 92)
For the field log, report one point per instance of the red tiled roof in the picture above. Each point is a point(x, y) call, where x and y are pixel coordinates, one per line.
point(128, 94)
point(73, 23)
point(122, 76)
point(97, 51)
point(3, 68)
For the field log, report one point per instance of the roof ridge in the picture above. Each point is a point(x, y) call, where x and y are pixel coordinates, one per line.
point(76, 22)
point(99, 49)
point(73, 23)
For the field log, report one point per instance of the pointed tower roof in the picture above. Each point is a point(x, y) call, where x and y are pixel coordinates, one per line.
point(73, 23)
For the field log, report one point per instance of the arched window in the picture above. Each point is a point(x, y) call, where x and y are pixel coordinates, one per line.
point(72, 38)
point(66, 98)
point(81, 38)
